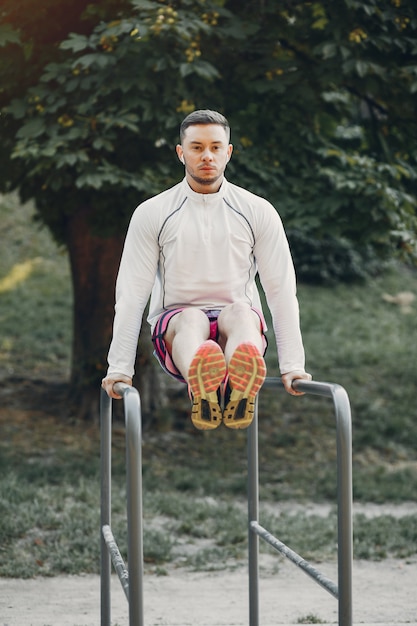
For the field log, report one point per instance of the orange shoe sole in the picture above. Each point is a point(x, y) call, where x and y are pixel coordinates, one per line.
point(206, 373)
point(247, 371)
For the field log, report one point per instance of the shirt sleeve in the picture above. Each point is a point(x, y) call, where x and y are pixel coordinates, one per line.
point(277, 275)
point(137, 272)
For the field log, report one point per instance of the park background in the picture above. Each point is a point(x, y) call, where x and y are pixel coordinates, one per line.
point(321, 100)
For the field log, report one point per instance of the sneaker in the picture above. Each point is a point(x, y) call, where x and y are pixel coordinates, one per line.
point(206, 373)
point(247, 373)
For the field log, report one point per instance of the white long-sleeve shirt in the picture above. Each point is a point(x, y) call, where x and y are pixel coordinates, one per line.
point(204, 250)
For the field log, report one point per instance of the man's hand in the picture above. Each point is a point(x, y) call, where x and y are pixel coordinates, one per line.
point(108, 382)
point(289, 377)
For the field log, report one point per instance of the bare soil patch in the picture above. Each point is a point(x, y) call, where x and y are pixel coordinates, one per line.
point(383, 593)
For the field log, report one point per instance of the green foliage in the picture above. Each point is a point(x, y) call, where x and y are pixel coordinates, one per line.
point(310, 619)
point(337, 116)
point(378, 538)
point(330, 259)
point(55, 531)
point(321, 98)
point(103, 122)
point(8, 35)
point(35, 296)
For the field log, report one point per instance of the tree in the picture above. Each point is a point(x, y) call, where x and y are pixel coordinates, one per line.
point(321, 97)
point(81, 128)
point(336, 83)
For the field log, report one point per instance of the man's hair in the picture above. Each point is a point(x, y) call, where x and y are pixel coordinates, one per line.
point(204, 116)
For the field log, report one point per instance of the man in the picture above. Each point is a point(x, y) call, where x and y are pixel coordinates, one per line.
point(195, 249)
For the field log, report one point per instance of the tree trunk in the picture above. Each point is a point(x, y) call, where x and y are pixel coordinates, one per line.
point(94, 262)
point(94, 265)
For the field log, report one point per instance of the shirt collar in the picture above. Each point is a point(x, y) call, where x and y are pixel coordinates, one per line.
point(204, 197)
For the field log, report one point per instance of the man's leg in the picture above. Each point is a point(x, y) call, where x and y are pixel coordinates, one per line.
point(242, 342)
point(237, 324)
point(200, 361)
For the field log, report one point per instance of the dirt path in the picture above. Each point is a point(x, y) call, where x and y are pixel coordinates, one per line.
point(384, 593)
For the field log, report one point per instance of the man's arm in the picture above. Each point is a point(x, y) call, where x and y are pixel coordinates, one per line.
point(135, 280)
point(276, 271)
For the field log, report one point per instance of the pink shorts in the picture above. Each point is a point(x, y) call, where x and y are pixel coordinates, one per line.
point(160, 349)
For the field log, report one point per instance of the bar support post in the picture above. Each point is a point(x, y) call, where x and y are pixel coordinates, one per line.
point(105, 470)
point(253, 514)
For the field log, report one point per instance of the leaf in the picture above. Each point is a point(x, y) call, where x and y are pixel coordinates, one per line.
point(160, 65)
point(144, 4)
point(27, 50)
point(345, 52)
point(100, 59)
point(50, 150)
point(202, 68)
point(17, 108)
point(100, 143)
point(66, 159)
point(361, 68)
point(33, 128)
point(185, 69)
point(329, 50)
point(76, 43)
point(320, 24)
point(72, 84)
point(206, 70)
point(87, 179)
point(53, 71)
point(8, 35)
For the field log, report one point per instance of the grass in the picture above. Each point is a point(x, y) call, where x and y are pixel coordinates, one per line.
point(195, 482)
point(35, 297)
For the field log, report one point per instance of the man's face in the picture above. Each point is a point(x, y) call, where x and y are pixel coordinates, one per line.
point(205, 152)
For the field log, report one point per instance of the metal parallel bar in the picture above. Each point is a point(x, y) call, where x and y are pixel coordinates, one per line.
point(344, 489)
point(253, 514)
point(117, 560)
point(134, 503)
point(105, 486)
point(133, 582)
point(344, 499)
point(311, 387)
point(296, 559)
point(134, 506)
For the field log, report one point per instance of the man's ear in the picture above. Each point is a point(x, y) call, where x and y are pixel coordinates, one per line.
point(180, 153)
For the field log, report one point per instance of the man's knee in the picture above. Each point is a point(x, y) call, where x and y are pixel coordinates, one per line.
point(188, 320)
point(238, 317)
point(192, 316)
point(236, 311)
